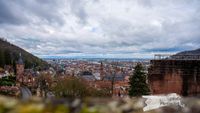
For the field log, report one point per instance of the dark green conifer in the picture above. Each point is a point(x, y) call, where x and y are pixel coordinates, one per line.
point(7, 56)
point(2, 59)
point(138, 84)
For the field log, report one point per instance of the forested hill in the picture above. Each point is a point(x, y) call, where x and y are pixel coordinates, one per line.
point(9, 54)
point(191, 52)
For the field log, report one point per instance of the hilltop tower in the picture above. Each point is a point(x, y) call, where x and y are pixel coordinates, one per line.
point(19, 69)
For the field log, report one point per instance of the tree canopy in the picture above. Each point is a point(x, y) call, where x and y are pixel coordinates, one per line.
point(76, 87)
point(138, 84)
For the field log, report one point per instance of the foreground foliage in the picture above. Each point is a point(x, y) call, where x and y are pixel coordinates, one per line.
point(89, 105)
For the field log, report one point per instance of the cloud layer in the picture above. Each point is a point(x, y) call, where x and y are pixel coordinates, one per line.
point(101, 28)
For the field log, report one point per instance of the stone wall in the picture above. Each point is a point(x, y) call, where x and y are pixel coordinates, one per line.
point(175, 76)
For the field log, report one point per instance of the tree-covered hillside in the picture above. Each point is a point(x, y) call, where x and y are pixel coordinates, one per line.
point(9, 54)
point(191, 52)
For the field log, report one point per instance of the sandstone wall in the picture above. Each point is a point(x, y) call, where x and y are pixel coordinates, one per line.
point(175, 76)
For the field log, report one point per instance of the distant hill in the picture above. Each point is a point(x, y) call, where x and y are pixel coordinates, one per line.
point(9, 54)
point(191, 52)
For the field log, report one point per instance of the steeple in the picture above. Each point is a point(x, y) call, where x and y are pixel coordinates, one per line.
point(101, 70)
point(19, 68)
point(20, 61)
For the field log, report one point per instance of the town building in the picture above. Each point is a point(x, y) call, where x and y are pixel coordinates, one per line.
point(24, 77)
point(19, 69)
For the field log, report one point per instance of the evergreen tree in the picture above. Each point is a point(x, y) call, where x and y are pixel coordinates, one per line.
point(2, 59)
point(7, 55)
point(138, 85)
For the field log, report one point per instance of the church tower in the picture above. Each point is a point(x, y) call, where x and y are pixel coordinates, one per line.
point(101, 71)
point(20, 69)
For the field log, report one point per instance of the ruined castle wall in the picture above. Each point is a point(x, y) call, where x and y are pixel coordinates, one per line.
point(175, 76)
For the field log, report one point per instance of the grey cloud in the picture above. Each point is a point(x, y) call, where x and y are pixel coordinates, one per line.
point(23, 11)
point(10, 16)
point(146, 3)
point(45, 9)
point(77, 8)
point(44, 27)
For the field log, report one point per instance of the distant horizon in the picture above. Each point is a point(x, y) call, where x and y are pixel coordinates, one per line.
point(107, 56)
point(79, 57)
point(96, 56)
point(90, 57)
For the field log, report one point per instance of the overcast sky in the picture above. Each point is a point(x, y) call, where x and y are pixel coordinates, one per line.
point(101, 28)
